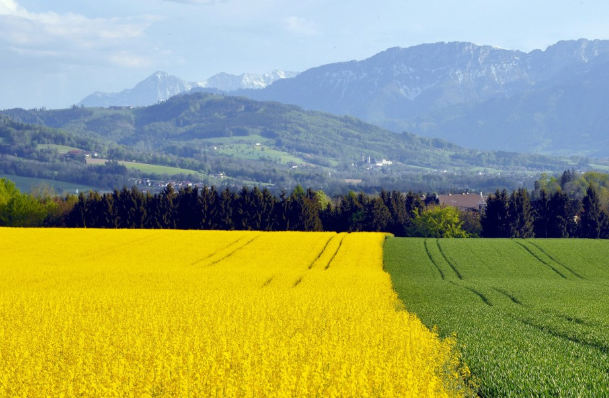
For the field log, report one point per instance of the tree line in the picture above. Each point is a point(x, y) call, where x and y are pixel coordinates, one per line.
point(246, 209)
point(557, 208)
point(549, 215)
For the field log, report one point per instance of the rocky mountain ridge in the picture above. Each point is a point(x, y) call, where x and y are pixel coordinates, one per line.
point(424, 89)
point(161, 86)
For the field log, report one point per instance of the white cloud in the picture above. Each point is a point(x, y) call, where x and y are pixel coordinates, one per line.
point(301, 26)
point(72, 37)
point(129, 60)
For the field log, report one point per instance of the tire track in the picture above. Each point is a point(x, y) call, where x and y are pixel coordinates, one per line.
point(556, 261)
point(508, 295)
point(432, 259)
point(268, 281)
point(482, 297)
point(230, 253)
point(335, 253)
point(322, 251)
point(604, 349)
point(448, 261)
point(539, 259)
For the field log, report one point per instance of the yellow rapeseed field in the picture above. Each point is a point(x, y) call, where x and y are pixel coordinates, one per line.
point(147, 313)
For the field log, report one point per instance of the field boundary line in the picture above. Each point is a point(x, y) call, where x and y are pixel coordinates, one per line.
point(322, 251)
point(447, 260)
point(340, 244)
point(432, 260)
point(538, 258)
point(556, 261)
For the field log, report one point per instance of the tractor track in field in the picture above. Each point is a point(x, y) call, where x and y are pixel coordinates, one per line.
point(604, 349)
point(482, 297)
point(540, 259)
point(322, 251)
point(508, 295)
point(224, 257)
point(432, 259)
point(335, 253)
point(448, 261)
point(556, 261)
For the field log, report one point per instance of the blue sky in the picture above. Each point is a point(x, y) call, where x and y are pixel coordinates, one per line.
point(54, 53)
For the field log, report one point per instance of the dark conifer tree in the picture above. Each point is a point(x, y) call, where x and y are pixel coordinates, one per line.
point(310, 207)
point(350, 213)
point(558, 216)
point(93, 210)
point(167, 207)
point(591, 216)
point(566, 177)
point(188, 213)
point(520, 214)
point(542, 214)
point(268, 211)
point(495, 217)
point(414, 207)
point(77, 216)
point(139, 202)
point(378, 215)
point(226, 203)
point(207, 204)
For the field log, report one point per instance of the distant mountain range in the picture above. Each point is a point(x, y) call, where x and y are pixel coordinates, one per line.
point(553, 101)
point(161, 86)
point(254, 142)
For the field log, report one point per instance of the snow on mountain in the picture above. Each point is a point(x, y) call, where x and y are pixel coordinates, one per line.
point(161, 86)
point(226, 82)
point(400, 83)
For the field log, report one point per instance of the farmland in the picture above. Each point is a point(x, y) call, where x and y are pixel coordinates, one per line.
point(531, 316)
point(25, 184)
point(114, 313)
point(148, 168)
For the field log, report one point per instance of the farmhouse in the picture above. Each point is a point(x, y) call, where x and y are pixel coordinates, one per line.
point(464, 201)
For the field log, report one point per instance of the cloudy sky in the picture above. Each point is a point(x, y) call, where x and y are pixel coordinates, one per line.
point(54, 53)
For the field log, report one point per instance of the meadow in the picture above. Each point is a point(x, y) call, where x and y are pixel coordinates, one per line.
point(150, 313)
point(149, 168)
point(531, 316)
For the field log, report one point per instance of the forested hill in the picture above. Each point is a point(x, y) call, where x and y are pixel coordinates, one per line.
point(196, 121)
point(262, 142)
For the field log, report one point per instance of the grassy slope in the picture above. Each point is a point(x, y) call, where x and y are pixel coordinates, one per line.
point(289, 133)
point(25, 184)
point(532, 315)
point(148, 168)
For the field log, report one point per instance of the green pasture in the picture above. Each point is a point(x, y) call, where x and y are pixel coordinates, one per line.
point(25, 184)
point(251, 139)
point(149, 168)
point(531, 316)
point(601, 167)
point(252, 152)
point(62, 149)
point(155, 169)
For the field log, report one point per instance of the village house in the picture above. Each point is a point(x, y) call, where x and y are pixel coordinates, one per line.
point(464, 201)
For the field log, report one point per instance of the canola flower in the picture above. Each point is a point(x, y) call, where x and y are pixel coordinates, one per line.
point(134, 313)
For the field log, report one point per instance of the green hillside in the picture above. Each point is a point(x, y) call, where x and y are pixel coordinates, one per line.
point(270, 142)
point(531, 315)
